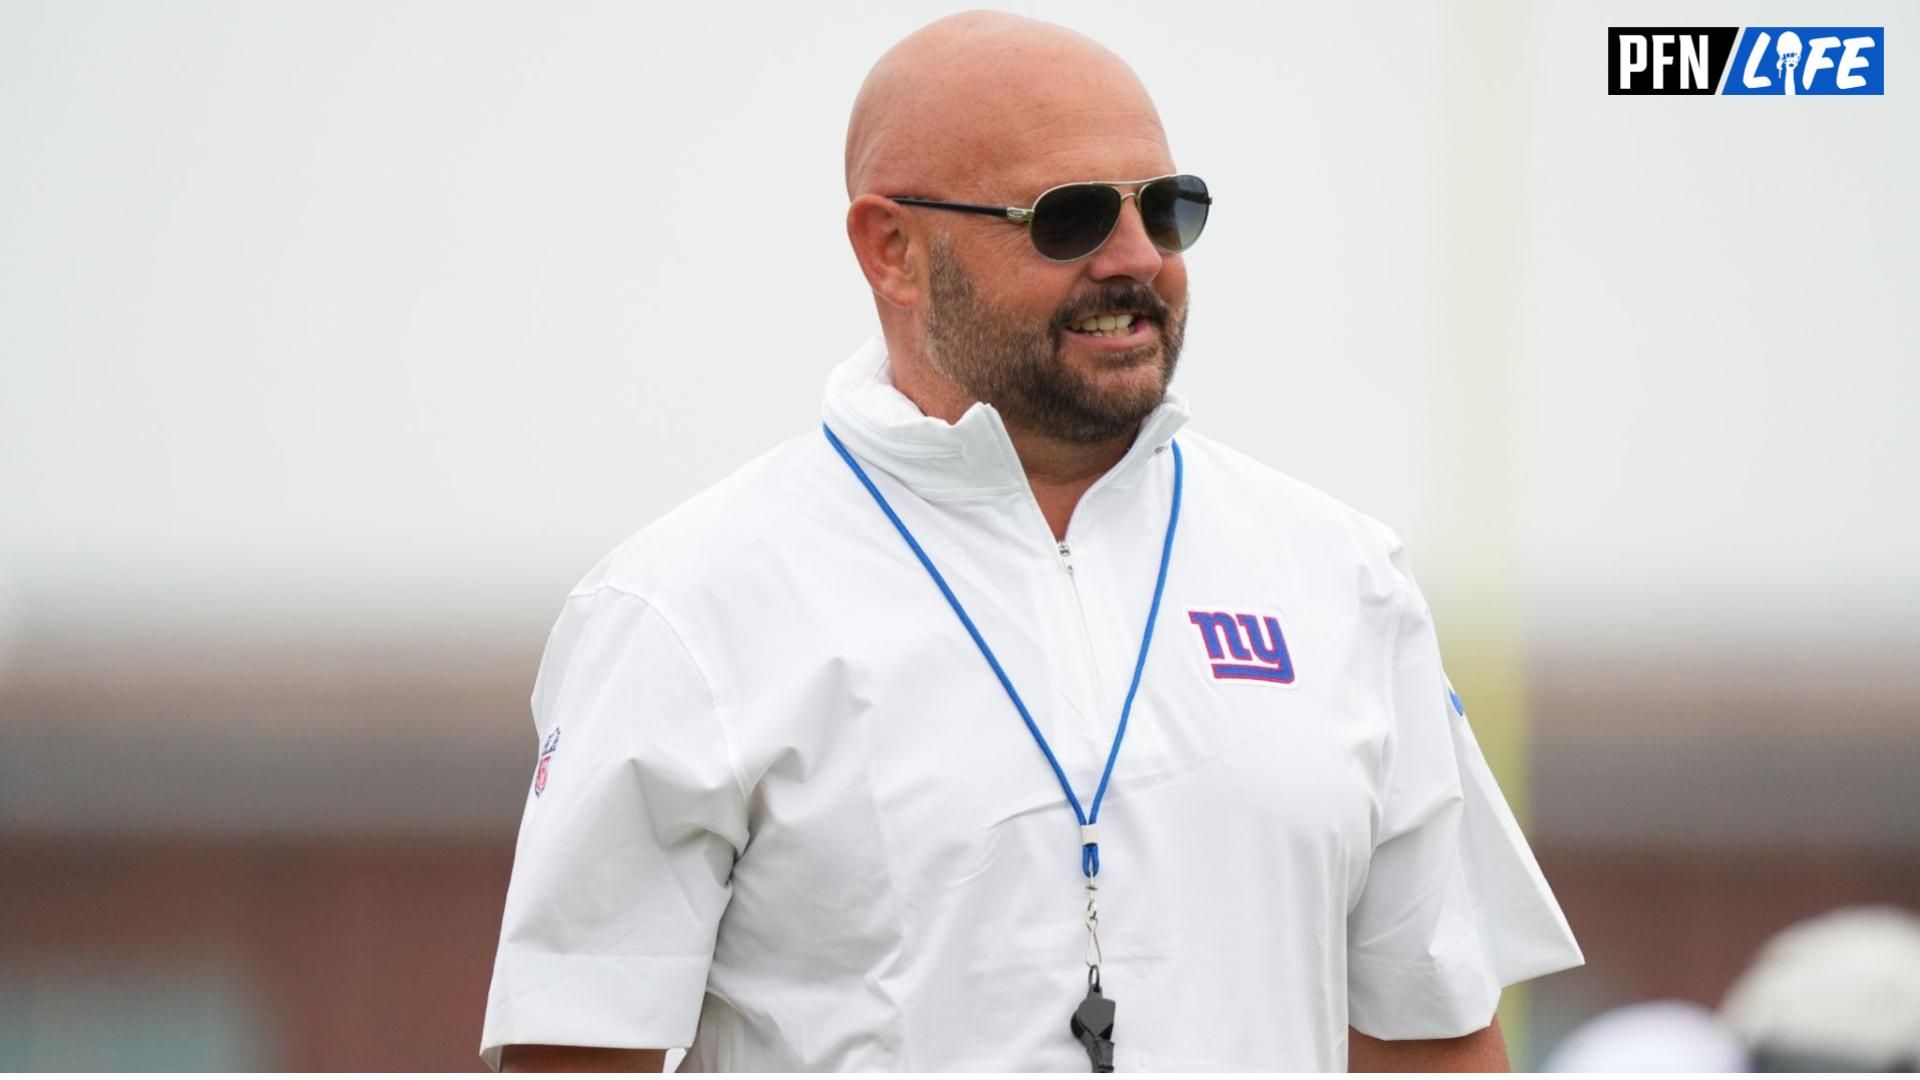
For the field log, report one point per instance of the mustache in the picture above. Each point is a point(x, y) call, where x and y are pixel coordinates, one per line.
point(1132, 296)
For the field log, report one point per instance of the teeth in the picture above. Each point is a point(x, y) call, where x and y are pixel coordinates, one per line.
point(1106, 325)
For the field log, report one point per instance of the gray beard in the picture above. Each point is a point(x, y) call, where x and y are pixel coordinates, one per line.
point(1016, 366)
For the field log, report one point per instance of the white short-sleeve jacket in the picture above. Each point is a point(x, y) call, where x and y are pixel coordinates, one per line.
point(784, 813)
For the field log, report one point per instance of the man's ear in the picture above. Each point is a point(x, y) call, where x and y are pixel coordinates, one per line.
point(881, 243)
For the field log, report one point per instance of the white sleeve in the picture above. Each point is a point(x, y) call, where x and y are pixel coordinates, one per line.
point(1454, 907)
point(627, 843)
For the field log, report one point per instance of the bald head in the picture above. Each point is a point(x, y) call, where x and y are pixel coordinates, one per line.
point(994, 109)
point(984, 99)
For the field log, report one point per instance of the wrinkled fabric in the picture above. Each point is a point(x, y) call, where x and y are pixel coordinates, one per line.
point(793, 822)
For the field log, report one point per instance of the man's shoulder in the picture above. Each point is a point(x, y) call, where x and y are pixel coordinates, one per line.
point(1271, 502)
point(733, 524)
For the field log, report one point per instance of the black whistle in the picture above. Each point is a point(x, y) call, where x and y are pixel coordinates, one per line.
point(1093, 1025)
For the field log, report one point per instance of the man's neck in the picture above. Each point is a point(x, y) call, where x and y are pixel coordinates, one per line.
point(1059, 471)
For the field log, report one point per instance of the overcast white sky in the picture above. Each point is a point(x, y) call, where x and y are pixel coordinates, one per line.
point(391, 318)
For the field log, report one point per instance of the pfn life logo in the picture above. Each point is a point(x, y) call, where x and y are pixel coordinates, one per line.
point(1790, 61)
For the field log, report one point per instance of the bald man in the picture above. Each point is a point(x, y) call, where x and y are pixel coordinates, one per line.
point(991, 726)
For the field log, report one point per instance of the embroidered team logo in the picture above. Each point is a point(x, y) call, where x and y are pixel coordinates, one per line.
point(546, 758)
point(1244, 646)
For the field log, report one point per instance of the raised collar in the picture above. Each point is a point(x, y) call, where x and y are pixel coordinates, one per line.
point(970, 458)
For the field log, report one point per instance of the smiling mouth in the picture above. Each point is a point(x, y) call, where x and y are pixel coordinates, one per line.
point(1111, 324)
point(1115, 328)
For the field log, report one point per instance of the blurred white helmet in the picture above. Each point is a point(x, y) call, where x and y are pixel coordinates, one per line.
point(1655, 1036)
point(1838, 991)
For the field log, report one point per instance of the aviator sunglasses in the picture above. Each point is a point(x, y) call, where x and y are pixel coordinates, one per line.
point(1071, 221)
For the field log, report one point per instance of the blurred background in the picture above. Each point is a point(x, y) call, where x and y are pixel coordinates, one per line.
point(338, 340)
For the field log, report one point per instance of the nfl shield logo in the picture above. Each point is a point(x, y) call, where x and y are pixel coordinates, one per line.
point(546, 758)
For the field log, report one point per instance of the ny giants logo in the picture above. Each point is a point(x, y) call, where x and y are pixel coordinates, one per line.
point(1261, 654)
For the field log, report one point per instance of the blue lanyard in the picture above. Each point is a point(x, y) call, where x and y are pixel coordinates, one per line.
point(1090, 846)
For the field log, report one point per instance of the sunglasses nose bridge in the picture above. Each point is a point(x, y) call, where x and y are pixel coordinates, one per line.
point(1119, 219)
point(1127, 249)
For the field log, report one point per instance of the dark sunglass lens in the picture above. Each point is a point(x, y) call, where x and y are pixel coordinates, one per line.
point(1175, 210)
point(1069, 222)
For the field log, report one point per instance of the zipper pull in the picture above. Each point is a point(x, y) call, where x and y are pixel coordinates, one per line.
point(1066, 556)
